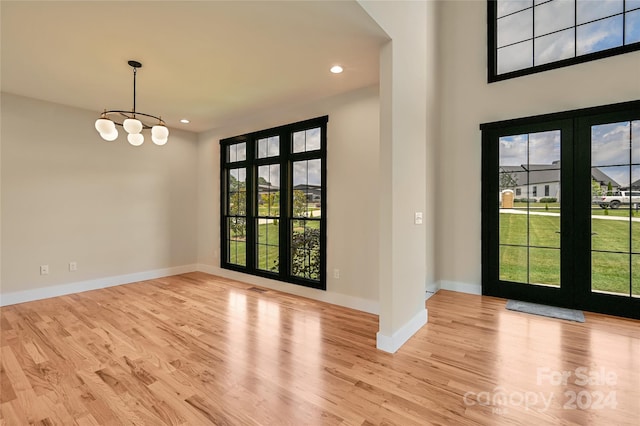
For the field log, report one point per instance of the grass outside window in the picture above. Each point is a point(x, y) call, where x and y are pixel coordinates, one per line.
point(613, 261)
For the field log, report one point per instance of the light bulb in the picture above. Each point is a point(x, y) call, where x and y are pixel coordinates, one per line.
point(110, 136)
point(160, 132)
point(104, 125)
point(158, 141)
point(135, 139)
point(132, 126)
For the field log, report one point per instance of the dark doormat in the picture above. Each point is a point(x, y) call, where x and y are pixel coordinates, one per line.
point(544, 310)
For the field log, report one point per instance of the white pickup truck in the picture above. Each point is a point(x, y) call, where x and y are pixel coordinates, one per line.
point(617, 199)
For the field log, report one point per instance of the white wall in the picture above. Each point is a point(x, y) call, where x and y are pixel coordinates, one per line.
point(467, 100)
point(126, 214)
point(352, 196)
point(68, 195)
point(408, 140)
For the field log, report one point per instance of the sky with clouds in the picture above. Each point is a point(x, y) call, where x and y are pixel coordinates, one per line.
point(553, 34)
point(614, 146)
point(306, 172)
point(270, 173)
point(611, 148)
point(269, 147)
point(533, 148)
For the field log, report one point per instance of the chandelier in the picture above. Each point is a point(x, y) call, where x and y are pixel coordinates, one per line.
point(106, 124)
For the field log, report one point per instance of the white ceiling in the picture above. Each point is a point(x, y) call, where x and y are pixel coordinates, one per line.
point(208, 61)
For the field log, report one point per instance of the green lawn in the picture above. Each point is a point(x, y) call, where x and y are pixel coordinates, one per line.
point(268, 246)
point(541, 264)
point(266, 210)
point(268, 249)
point(237, 252)
point(623, 211)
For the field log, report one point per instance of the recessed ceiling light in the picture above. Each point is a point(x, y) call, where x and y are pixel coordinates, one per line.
point(185, 121)
point(336, 69)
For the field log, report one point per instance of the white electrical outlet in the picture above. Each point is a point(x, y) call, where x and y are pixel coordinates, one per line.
point(73, 266)
point(44, 269)
point(336, 273)
point(418, 218)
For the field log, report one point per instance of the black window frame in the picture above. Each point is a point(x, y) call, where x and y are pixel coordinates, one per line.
point(285, 159)
point(546, 190)
point(492, 55)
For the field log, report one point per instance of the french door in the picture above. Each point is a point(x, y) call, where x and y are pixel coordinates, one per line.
point(547, 235)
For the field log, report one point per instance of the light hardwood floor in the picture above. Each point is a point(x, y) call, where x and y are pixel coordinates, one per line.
point(197, 349)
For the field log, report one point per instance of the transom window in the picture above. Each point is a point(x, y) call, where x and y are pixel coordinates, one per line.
point(528, 36)
point(273, 189)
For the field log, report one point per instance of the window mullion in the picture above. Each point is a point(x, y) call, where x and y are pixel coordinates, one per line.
point(224, 202)
point(250, 206)
point(575, 28)
point(285, 215)
point(533, 34)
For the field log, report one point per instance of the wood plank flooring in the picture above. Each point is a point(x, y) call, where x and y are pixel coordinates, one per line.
point(196, 349)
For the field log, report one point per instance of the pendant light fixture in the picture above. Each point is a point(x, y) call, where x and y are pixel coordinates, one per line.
point(106, 124)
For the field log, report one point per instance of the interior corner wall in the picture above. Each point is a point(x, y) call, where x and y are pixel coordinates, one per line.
point(68, 196)
point(467, 100)
point(352, 196)
point(407, 92)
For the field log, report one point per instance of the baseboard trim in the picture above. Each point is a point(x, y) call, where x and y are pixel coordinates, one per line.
point(352, 302)
point(392, 343)
point(80, 286)
point(432, 287)
point(461, 287)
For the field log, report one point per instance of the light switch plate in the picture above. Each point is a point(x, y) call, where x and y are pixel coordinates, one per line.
point(418, 218)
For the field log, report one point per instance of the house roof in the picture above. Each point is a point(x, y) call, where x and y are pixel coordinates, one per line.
point(538, 173)
point(602, 177)
point(308, 187)
point(268, 188)
point(549, 173)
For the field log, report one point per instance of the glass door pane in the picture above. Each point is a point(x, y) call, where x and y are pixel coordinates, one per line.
point(529, 202)
point(615, 208)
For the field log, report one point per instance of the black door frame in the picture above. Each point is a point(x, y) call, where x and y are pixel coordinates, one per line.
point(585, 298)
point(575, 206)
